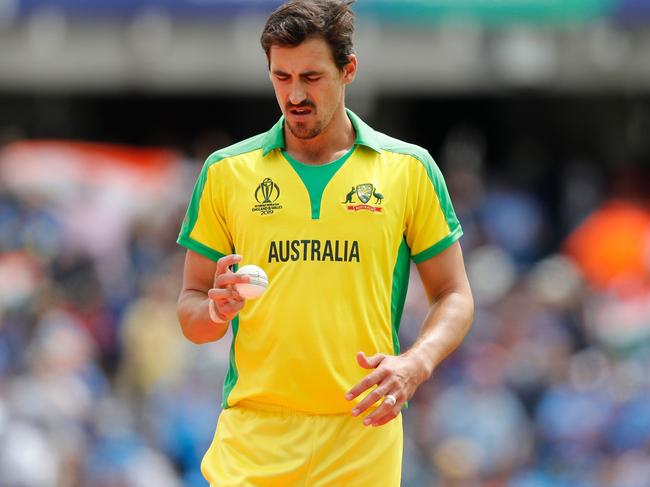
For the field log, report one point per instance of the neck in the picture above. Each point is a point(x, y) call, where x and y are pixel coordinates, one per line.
point(334, 141)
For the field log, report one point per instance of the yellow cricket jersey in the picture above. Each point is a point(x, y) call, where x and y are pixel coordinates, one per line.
point(335, 241)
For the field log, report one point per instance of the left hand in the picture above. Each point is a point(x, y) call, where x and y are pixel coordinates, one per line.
point(395, 375)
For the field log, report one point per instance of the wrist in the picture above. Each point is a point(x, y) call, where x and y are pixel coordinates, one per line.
point(422, 364)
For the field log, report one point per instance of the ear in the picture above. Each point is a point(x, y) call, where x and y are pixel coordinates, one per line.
point(350, 69)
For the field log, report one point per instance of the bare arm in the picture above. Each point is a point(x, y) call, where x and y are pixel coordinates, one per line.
point(203, 281)
point(451, 312)
point(446, 324)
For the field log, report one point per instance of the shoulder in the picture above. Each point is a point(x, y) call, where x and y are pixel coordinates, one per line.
point(233, 151)
point(241, 148)
point(419, 156)
point(223, 159)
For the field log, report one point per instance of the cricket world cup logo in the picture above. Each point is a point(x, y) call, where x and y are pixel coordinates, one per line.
point(266, 194)
point(267, 191)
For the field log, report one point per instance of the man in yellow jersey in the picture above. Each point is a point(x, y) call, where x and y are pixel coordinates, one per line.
point(333, 211)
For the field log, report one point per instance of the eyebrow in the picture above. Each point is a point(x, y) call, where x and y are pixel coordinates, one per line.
point(305, 73)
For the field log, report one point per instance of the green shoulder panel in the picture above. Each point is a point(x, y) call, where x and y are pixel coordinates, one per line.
point(249, 145)
point(242, 147)
point(397, 146)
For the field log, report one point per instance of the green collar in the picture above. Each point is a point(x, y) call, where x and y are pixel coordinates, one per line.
point(274, 138)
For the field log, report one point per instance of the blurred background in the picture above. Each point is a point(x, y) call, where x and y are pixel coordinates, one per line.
point(538, 113)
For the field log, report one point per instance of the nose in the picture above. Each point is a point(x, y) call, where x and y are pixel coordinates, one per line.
point(297, 94)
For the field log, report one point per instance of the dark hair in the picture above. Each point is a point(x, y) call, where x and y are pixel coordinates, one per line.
point(298, 20)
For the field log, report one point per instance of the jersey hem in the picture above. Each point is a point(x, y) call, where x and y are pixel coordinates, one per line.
point(274, 408)
point(199, 248)
point(438, 247)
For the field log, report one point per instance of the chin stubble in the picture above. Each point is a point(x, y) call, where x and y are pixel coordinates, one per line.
point(306, 133)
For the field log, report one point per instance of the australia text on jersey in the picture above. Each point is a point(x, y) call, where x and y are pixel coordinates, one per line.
point(314, 250)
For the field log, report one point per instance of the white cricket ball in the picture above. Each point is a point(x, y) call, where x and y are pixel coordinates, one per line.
point(258, 283)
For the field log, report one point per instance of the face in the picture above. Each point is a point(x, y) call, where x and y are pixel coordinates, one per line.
point(308, 85)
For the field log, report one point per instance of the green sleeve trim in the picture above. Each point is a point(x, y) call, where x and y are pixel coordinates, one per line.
point(316, 178)
point(233, 374)
point(439, 246)
point(199, 248)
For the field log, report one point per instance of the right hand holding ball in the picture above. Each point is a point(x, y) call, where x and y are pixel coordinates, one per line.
point(229, 289)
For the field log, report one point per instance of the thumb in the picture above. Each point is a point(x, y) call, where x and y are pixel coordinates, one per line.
point(370, 362)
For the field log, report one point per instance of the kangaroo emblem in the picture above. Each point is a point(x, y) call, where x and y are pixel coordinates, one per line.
point(364, 193)
point(348, 197)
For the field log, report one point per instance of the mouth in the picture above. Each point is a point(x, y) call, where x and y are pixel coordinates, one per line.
point(300, 112)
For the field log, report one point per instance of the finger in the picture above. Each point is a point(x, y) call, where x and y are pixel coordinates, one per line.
point(222, 294)
point(370, 362)
point(373, 396)
point(225, 280)
point(385, 409)
point(228, 309)
point(226, 261)
point(374, 377)
point(387, 418)
point(231, 308)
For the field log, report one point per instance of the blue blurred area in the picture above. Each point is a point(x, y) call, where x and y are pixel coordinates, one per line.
point(126, 8)
point(633, 10)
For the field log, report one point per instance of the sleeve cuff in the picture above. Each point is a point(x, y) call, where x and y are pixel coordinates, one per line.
point(438, 247)
point(199, 248)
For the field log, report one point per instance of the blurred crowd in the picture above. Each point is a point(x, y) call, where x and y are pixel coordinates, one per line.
point(552, 386)
point(99, 388)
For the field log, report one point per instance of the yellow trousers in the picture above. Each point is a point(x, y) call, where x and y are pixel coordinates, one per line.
point(254, 447)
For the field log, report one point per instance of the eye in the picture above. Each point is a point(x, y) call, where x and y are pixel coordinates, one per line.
point(281, 77)
point(312, 78)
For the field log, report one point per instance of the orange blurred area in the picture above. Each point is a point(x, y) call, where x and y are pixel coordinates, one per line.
point(613, 245)
point(28, 165)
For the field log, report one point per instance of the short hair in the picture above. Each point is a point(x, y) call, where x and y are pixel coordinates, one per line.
point(298, 20)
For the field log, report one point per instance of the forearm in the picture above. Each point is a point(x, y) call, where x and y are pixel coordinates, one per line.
point(194, 318)
point(444, 328)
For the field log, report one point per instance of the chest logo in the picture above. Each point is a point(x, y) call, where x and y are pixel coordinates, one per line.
point(364, 193)
point(266, 194)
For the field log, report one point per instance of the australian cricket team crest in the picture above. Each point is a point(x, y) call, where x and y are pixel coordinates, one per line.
point(267, 194)
point(368, 198)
